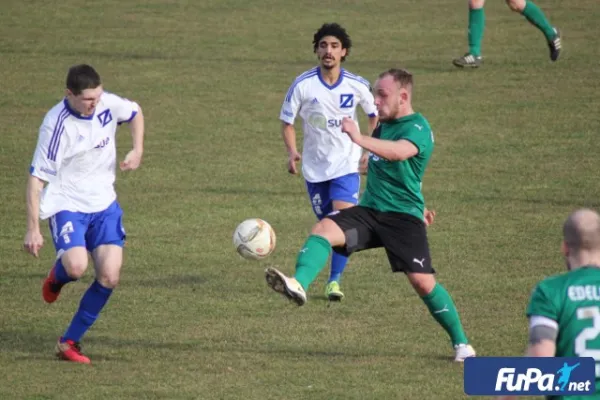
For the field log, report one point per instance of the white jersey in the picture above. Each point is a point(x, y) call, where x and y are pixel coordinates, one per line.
point(327, 152)
point(77, 156)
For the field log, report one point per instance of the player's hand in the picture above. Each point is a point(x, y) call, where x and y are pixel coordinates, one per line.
point(363, 164)
point(132, 161)
point(428, 216)
point(33, 242)
point(293, 158)
point(350, 127)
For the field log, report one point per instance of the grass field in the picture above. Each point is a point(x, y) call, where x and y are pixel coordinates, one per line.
point(516, 151)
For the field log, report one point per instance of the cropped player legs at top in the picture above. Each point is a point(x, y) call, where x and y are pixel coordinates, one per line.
point(527, 8)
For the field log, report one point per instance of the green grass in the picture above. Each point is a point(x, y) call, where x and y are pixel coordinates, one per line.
point(515, 153)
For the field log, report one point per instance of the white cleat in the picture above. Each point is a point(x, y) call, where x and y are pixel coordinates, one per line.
point(289, 287)
point(463, 351)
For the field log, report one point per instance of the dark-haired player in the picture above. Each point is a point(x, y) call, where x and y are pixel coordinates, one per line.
point(323, 96)
point(71, 183)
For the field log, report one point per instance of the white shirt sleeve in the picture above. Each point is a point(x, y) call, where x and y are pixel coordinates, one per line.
point(538, 320)
point(50, 150)
point(291, 104)
point(367, 102)
point(124, 110)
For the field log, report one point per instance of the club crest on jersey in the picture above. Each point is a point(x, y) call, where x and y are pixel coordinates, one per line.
point(346, 100)
point(105, 117)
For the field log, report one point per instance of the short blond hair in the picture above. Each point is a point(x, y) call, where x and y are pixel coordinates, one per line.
point(401, 76)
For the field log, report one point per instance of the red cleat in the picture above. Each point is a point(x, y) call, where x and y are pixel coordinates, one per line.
point(70, 351)
point(51, 288)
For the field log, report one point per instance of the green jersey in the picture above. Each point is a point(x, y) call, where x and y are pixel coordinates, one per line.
point(572, 300)
point(395, 186)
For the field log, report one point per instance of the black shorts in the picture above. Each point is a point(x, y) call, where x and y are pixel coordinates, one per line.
point(403, 236)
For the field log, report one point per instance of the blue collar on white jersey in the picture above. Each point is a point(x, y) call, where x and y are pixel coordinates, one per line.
point(339, 81)
point(75, 113)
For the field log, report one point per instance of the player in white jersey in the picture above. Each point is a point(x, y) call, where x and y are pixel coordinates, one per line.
point(71, 183)
point(322, 97)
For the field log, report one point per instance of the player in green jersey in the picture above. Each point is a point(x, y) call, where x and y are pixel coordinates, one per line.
point(390, 213)
point(564, 310)
point(527, 8)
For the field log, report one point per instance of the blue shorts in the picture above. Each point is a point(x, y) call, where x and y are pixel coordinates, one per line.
point(322, 194)
point(73, 229)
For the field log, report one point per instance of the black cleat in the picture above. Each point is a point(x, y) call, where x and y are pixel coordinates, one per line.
point(468, 61)
point(555, 46)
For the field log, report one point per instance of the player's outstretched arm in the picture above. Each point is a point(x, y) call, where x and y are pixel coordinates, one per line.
point(33, 238)
point(134, 157)
point(399, 150)
point(288, 132)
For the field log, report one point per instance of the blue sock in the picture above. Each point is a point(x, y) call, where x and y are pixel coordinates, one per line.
point(338, 264)
point(91, 304)
point(60, 274)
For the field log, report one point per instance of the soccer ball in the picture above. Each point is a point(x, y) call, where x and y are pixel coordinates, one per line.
point(254, 239)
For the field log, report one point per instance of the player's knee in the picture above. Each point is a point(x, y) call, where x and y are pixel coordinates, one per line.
point(422, 283)
point(329, 230)
point(75, 264)
point(516, 5)
point(476, 4)
point(320, 228)
point(109, 281)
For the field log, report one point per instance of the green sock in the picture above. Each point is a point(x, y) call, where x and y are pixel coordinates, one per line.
point(311, 259)
point(476, 28)
point(442, 307)
point(537, 18)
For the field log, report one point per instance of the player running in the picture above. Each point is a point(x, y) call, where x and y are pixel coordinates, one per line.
point(527, 8)
point(71, 182)
point(322, 97)
point(391, 210)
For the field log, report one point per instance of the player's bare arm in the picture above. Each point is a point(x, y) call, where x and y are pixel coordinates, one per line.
point(390, 150)
point(288, 132)
point(33, 238)
point(543, 348)
point(134, 157)
point(542, 337)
